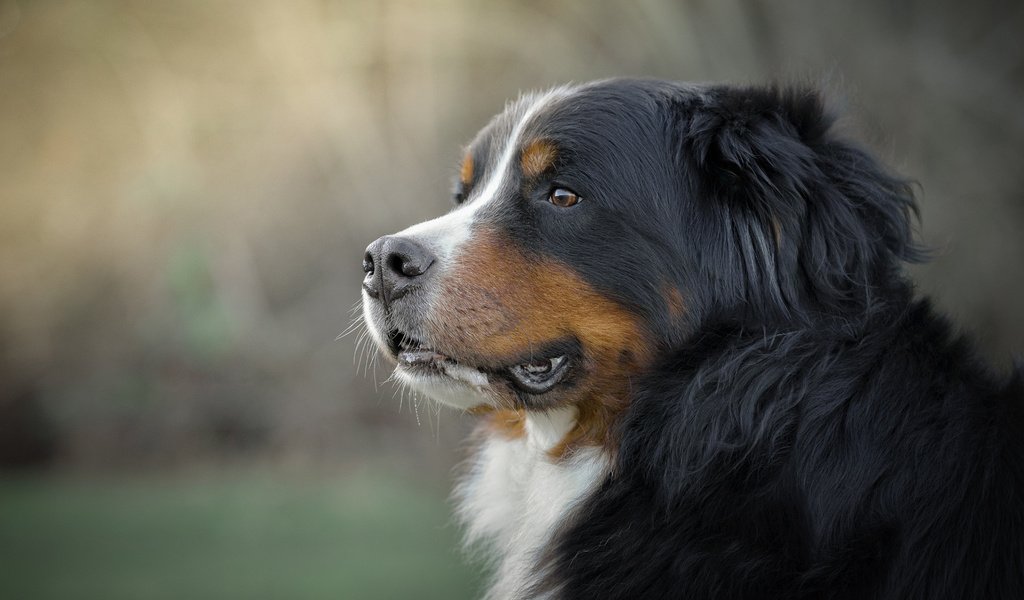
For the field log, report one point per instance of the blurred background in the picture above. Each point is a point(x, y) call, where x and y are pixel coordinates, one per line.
point(186, 189)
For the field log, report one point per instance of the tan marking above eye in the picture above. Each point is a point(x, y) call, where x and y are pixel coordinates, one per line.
point(466, 172)
point(563, 198)
point(538, 156)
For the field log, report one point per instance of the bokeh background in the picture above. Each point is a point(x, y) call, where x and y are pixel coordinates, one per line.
point(186, 189)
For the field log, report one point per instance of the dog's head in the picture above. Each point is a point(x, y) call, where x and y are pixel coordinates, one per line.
point(598, 227)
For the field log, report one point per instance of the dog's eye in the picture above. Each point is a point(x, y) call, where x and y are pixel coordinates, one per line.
point(458, 197)
point(563, 198)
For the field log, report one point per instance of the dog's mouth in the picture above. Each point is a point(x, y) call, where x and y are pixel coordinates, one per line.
point(414, 354)
point(537, 374)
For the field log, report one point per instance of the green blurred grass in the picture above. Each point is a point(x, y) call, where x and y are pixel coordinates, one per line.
point(240, 536)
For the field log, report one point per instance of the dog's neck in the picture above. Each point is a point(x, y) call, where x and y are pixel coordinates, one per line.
point(545, 430)
point(516, 495)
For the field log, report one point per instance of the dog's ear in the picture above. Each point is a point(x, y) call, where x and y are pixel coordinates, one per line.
point(795, 219)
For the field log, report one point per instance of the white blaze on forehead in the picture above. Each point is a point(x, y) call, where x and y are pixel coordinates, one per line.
point(446, 233)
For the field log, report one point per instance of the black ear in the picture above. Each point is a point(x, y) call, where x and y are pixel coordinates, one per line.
point(795, 220)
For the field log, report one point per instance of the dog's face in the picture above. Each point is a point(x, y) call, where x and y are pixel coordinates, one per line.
point(597, 226)
point(547, 282)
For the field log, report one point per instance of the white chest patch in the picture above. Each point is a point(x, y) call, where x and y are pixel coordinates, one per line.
point(515, 496)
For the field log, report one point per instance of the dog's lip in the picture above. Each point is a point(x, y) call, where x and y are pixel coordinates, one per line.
point(420, 358)
point(424, 356)
point(410, 352)
point(416, 358)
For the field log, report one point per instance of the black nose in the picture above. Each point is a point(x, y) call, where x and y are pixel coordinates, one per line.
point(394, 266)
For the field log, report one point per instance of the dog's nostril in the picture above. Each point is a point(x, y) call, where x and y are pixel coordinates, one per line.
point(413, 268)
point(404, 258)
point(394, 266)
point(408, 265)
point(397, 263)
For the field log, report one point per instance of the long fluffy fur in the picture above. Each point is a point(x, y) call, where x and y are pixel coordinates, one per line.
point(781, 419)
point(821, 434)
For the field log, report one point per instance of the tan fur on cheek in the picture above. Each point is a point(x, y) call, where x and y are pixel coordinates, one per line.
point(500, 304)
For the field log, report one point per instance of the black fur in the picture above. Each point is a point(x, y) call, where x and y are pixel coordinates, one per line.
point(811, 430)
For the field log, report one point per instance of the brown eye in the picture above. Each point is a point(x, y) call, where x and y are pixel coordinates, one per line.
point(563, 198)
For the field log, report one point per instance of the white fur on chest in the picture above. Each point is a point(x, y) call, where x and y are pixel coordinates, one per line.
point(515, 497)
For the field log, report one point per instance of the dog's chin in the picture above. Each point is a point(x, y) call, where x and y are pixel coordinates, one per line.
point(455, 385)
point(432, 373)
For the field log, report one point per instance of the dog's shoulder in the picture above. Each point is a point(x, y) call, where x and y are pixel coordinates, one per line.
point(806, 463)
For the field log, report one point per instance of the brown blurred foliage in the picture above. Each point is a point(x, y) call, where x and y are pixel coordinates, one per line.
point(186, 188)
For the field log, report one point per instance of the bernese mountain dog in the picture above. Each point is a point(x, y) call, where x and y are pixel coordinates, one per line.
point(680, 316)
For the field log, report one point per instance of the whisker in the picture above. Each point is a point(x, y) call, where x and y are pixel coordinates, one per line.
point(357, 320)
point(368, 356)
point(352, 327)
point(356, 349)
point(437, 412)
point(363, 347)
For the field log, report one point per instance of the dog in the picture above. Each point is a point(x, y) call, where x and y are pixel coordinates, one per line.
point(680, 316)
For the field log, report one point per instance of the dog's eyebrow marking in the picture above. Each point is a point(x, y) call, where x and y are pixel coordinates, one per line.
point(466, 172)
point(501, 168)
point(538, 156)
